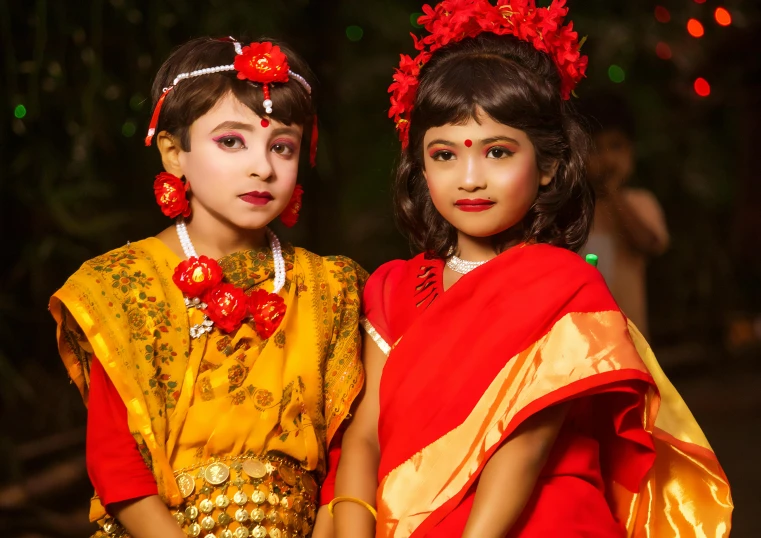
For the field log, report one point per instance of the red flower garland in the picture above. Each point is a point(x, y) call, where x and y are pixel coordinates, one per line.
point(454, 20)
point(267, 310)
point(170, 195)
point(196, 276)
point(227, 305)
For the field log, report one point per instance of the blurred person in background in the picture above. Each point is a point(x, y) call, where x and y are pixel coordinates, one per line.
point(629, 226)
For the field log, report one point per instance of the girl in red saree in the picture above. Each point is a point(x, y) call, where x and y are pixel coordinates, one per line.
point(506, 393)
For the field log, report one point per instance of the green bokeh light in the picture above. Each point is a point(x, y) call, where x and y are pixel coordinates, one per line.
point(128, 129)
point(136, 102)
point(354, 33)
point(413, 20)
point(19, 111)
point(616, 74)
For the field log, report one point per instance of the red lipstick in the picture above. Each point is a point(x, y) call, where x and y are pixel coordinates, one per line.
point(257, 198)
point(473, 205)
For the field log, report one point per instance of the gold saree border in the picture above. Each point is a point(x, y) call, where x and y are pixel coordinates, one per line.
point(375, 335)
point(581, 345)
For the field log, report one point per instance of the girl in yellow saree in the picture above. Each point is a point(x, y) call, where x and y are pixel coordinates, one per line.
point(226, 360)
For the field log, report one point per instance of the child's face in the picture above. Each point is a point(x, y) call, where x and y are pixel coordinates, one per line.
point(483, 178)
point(611, 163)
point(239, 172)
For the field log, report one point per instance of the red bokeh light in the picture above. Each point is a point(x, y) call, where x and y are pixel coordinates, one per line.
point(695, 28)
point(662, 14)
point(701, 86)
point(722, 16)
point(663, 51)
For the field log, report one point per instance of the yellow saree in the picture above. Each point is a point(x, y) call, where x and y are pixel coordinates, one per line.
point(234, 429)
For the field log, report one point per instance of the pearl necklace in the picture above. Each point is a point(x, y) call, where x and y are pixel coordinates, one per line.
point(190, 252)
point(277, 252)
point(458, 265)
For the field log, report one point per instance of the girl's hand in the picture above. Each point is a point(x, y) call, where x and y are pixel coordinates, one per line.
point(147, 517)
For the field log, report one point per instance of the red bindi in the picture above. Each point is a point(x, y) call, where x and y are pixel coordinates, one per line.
point(265, 123)
point(468, 143)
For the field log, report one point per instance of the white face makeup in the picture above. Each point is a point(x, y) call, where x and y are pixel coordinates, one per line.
point(482, 176)
point(240, 173)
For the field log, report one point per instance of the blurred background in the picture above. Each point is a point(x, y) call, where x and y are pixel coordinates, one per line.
point(75, 181)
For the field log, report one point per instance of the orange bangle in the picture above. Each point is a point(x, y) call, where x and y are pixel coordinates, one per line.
point(337, 500)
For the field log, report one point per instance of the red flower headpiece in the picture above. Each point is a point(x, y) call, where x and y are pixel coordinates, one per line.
point(262, 63)
point(454, 20)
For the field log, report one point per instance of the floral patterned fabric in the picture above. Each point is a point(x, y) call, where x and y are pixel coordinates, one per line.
point(222, 394)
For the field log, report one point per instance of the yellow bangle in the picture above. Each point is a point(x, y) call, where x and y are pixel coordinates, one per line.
point(353, 500)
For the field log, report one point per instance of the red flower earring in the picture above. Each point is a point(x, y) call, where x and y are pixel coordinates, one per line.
point(290, 214)
point(170, 195)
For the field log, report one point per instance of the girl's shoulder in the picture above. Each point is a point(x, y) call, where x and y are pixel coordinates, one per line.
point(146, 252)
point(388, 275)
point(343, 274)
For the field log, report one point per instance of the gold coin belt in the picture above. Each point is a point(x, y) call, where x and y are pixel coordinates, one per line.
point(241, 497)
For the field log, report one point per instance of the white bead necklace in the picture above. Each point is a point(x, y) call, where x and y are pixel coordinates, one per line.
point(458, 265)
point(277, 252)
point(187, 247)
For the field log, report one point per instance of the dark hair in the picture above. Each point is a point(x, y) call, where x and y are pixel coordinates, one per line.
point(607, 111)
point(518, 86)
point(194, 97)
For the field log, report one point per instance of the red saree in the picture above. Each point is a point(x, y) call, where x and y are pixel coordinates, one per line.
point(532, 328)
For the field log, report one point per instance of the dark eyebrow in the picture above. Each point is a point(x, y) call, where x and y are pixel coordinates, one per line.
point(286, 131)
point(439, 141)
point(233, 125)
point(493, 139)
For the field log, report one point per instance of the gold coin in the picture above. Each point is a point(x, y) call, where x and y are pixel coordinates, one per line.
point(255, 468)
point(310, 485)
point(241, 516)
point(217, 473)
point(210, 535)
point(287, 474)
point(207, 523)
point(298, 504)
point(273, 499)
point(194, 530)
point(224, 519)
point(110, 527)
point(227, 533)
point(206, 506)
point(241, 532)
point(274, 517)
point(257, 514)
point(276, 533)
point(286, 502)
point(259, 532)
point(186, 484)
point(258, 496)
point(180, 517)
point(240, 498)
point(191, 512)
point(222, 501)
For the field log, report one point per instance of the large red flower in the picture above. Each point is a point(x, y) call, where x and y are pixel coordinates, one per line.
point(195, 276)
point(170, 195)
point(454, 20)
point(226, 306)
point(290, 215)
point(262, 63)
point(267, 310)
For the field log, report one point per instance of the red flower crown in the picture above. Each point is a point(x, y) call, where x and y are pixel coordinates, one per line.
point(452, 21)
